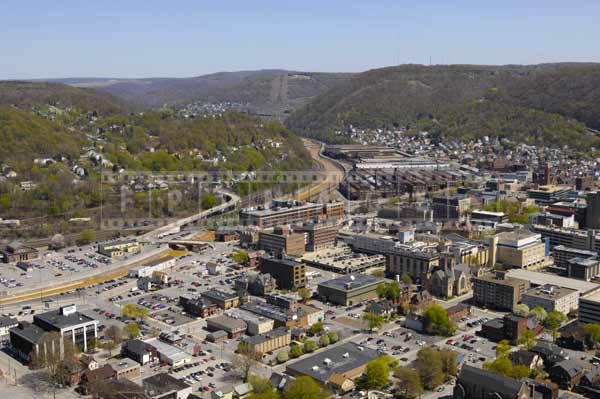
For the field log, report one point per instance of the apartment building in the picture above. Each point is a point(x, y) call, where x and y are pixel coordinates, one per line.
point(498, 291)
point(417, 263)
point(268, 342)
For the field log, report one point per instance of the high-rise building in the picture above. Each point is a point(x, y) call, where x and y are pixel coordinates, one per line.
point(592, 214)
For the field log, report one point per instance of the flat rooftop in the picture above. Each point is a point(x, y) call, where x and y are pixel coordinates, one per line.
point(352, 282)
point(58, 320)
point(338, 360)
point(549, 292)
point(539, 278)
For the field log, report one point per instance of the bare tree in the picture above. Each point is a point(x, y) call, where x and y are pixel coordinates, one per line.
point(245, 360)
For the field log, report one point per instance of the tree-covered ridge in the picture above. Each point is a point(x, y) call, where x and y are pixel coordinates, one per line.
point(26, 136)
point(479, 118)
point(529, 103)
point(232, 141)
point(27, 95)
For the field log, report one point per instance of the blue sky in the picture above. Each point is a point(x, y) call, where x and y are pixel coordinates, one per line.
point(131, 38)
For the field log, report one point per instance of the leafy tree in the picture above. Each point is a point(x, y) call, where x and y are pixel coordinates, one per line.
point(554, 321)
point(519, 371)
point(310, 346)
point(305, 294)
point(539, 313)
point(449, 362)
point(316, 328)
point(333, 337)
point(592, 332)
point(130, 311)
point(305, 387)
point(501, 365)
point(132, 330)
point(324, 341)
point(262, 388)
point(389, 291)
point(521, 310)
point(93, 344)
point(435, 321)
point(406, 279)
point(373, 320)
point(527, 339)
point(296, 351)
point(503, 348)
point(430, 368)
point(282, 357)
point(409, 382)
point(241, 257)
point(377, 374)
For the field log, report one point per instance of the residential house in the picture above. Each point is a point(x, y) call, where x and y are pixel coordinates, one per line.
point(567, 374)
point(526, 358)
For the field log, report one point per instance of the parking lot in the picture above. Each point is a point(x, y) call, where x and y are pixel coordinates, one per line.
point(64, 265)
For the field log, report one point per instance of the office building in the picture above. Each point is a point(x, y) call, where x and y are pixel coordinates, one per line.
point(282, 241)
point(552, 297)
point(319, 235)
point(415, 261)
point(70, 323)
point(589, 308)
point(573, 238)
point(349, 289)
point(498, 291)
point(451, 207)
point(288, 274)
point(563, 254)
point(592, 213)
point(487, 220)
point(549, 194)
point(521, 249)
point(552, 219)
point(583, 268)
point(290, 212)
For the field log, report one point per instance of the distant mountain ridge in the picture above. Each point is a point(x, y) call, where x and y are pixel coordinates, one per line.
point(269, 90)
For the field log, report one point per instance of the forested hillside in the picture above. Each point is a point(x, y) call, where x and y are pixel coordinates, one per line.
point(529, 103)
point(26, 95)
